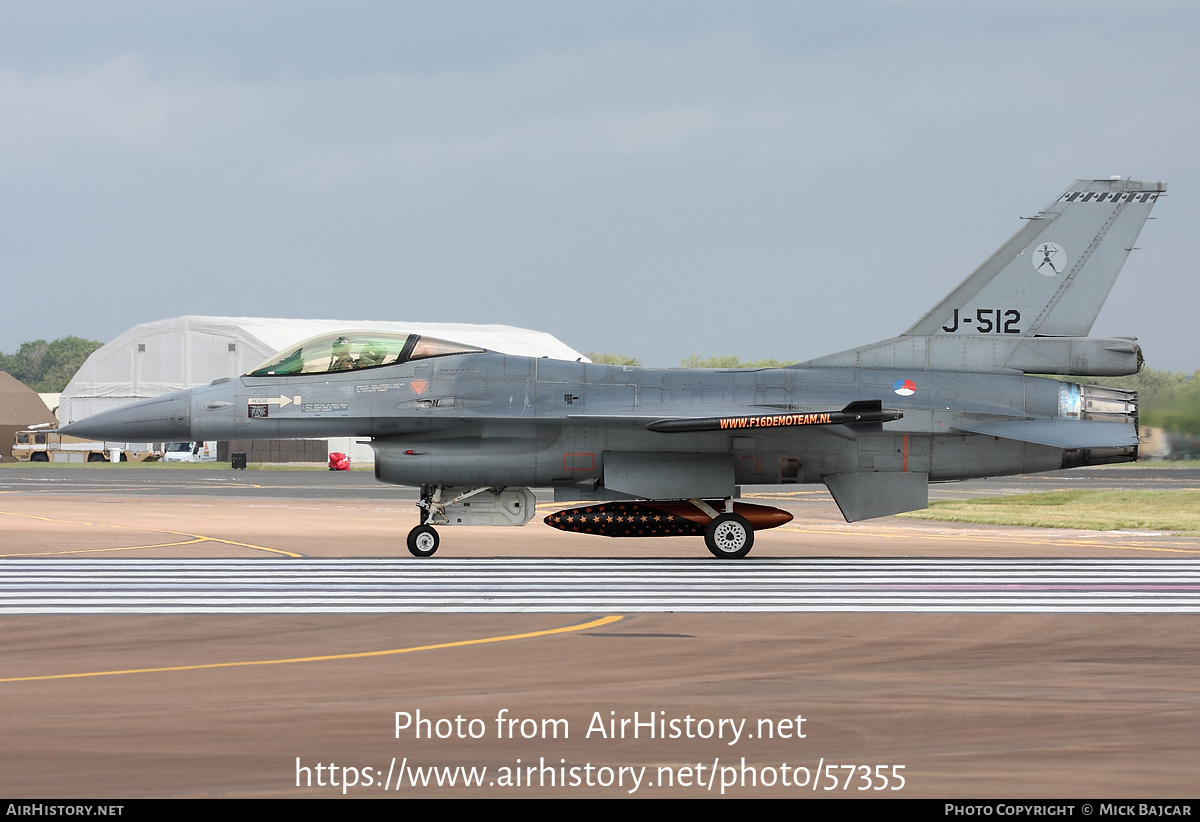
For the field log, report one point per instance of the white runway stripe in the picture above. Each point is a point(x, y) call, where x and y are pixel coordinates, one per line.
point(510, 586)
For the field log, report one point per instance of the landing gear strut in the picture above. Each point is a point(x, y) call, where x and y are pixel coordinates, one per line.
point(729, 535)
point(423, 540)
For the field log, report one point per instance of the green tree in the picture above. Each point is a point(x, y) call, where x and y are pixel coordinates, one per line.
point(1173, 405)
point(48, 367)
point(611, 359)
point(732, 361)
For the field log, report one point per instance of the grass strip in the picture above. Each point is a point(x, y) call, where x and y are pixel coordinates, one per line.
point(1090, 510)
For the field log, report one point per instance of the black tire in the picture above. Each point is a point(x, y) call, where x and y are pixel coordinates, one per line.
point(423, 541)
point(729, 536)
point(39, 456)
point(94, 457)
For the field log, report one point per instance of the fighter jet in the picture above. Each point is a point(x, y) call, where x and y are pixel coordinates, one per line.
point(665, 452)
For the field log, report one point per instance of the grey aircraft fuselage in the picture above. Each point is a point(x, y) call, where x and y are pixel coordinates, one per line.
point(950, 399)
point(496, 419)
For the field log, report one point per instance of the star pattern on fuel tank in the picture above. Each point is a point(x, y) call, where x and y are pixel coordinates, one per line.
point(624, 519)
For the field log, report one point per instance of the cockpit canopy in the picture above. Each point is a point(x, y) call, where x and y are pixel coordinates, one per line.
point(356, 350)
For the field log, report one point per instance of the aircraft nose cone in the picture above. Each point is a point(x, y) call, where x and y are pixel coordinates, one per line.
point(162, 419)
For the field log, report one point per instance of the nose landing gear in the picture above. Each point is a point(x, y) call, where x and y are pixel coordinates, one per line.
point(423, 541)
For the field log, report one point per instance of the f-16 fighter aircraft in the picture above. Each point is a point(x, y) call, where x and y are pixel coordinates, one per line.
point(663, 452)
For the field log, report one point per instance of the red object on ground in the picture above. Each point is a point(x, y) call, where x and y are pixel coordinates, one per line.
point(339, 462)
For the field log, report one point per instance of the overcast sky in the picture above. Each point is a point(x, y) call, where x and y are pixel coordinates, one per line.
point(659, 179)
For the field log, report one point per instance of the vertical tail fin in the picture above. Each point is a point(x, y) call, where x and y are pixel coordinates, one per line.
point(1030, 307)
point(1053, 276)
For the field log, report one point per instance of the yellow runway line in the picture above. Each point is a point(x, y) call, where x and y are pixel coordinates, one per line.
point(191, 538)
point(103, 550)
point(595, 623)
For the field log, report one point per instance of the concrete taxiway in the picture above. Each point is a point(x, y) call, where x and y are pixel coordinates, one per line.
point(970, 704)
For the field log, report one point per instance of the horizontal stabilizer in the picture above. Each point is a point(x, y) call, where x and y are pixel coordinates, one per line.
point(868, 495)
point(1068, 434)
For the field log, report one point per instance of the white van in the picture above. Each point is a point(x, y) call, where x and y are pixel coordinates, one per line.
point(190, 452)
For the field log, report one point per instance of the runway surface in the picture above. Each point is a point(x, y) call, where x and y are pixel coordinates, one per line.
point(215, 514)
point(557, 586)
point(1023, 700)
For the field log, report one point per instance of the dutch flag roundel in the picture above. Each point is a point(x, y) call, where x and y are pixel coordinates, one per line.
point(905, 388)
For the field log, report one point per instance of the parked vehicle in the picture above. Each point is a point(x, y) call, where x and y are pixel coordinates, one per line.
point(190, 452)
point(47, 445)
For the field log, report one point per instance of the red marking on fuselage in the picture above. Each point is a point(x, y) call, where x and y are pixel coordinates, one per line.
point(419, 386)
point(579, 462)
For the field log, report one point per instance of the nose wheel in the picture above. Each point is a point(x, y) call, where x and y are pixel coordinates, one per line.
point(423, 541)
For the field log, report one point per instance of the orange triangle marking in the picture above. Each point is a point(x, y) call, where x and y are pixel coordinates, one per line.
point(419, 386)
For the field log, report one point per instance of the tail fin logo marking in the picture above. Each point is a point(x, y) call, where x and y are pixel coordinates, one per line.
point(1050, 259)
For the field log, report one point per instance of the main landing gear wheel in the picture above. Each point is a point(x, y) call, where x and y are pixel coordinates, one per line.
point(729, 536)
point(422, 541)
